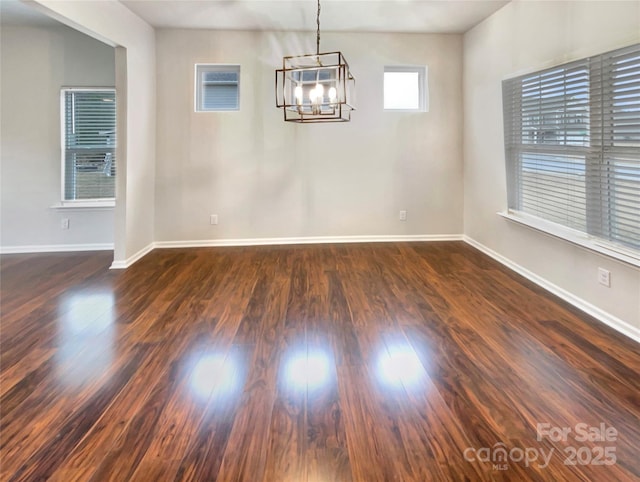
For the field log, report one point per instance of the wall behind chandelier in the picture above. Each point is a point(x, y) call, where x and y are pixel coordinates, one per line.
point(265, 178)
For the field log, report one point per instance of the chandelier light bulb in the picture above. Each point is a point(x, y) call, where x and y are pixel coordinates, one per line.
point(298, 95)
point(319, 92)
point(332, 94)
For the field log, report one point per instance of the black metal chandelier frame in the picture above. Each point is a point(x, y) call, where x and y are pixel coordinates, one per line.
point(316, 87)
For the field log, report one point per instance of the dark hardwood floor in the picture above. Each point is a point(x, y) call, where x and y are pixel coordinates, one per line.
point(382, 362)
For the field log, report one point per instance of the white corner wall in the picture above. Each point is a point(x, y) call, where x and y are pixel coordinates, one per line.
point(523, 37)
point(265, 178)
point(37, 62)
point(113, 23)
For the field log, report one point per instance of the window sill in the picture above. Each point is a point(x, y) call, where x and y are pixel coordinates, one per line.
point(86, 205)
point(411, 111)
point(600, 246)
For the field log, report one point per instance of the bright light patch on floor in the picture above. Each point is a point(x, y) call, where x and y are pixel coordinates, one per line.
point(400, 366)
point(308, 370)
point(86, 314)
point(85, 337)
point(212, 375)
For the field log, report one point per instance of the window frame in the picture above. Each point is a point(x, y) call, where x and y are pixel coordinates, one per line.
point(423, 86)
point(591, 238)
point(213, 67)
point(92, 203)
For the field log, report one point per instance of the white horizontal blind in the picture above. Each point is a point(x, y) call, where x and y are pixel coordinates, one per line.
point(217, 87)
point(89, 144)
point(620, 167)
point(572, 139)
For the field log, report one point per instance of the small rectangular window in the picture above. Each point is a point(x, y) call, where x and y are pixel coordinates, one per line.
point(217, 87)
point(88, 144)
point(405, 89)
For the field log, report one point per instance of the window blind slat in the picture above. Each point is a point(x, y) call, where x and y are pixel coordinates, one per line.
point(220, 97)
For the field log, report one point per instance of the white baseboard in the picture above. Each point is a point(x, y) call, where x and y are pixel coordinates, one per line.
point(133, 258)
point(601, 315)
point(225, 242)
point(55, 248)
point(306, 240)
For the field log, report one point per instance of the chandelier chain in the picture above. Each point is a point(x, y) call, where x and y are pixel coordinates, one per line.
point(318, 30)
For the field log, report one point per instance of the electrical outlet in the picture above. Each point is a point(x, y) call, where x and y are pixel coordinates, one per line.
point(213, 219)
point(64, 224)
point(604, 277)
point(403, 215)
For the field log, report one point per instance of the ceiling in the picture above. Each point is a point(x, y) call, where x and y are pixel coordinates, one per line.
point(435, 16)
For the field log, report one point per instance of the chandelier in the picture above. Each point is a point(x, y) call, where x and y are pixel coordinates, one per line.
point(315, 87)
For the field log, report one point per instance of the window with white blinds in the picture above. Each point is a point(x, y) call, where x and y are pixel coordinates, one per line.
point(217, 87)
point(572, 145)
point(89, 144)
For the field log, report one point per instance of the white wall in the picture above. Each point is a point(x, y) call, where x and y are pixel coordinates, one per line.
point(267, 178)
point(36, 63)
point(521, 37)
point(113, 23)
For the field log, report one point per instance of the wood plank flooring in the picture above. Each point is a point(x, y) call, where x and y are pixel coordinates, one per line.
point(374, 362)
